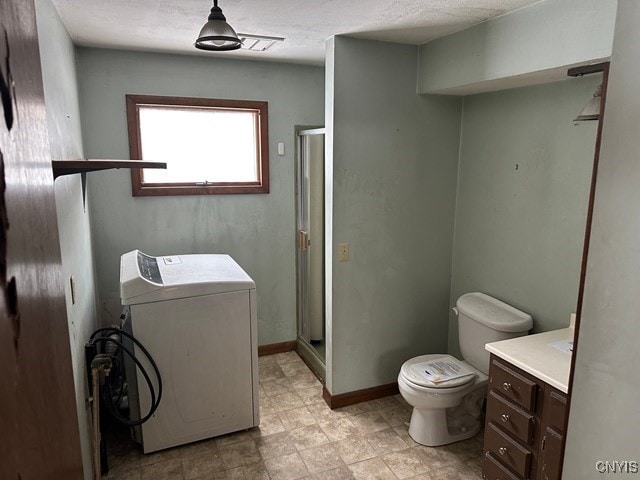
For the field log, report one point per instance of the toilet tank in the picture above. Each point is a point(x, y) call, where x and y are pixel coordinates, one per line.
point(483, 319)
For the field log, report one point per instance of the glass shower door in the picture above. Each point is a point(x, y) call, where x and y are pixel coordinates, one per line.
point(310, 241)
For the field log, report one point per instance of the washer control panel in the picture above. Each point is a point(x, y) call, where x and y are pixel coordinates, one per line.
point(148, 267)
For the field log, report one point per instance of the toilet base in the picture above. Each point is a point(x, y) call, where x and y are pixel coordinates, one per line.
point(429, 427)
point(440, 426)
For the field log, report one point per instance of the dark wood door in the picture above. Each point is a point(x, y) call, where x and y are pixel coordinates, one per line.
point(39, 436)
point(551, 454)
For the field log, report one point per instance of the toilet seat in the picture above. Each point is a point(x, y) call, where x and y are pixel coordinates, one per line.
point(420, 382)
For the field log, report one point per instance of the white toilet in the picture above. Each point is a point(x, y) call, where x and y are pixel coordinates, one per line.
point(449, 410)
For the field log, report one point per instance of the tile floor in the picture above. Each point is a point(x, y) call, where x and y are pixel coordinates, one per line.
point(300, 437)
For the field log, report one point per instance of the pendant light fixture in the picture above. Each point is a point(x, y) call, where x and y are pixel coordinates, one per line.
point(217, 35)
point(591, 110)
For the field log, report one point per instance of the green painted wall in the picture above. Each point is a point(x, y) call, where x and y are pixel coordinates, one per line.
point(258, 231)
point(523, 185)
point(63, 121)
point(604, 420)
point(393, 157)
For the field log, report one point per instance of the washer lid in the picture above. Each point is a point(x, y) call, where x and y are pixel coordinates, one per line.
point(145, 279)
point(493, 313)
point(437, 371)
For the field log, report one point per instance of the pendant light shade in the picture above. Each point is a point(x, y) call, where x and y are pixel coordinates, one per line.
point(217, 34)
point(591, 110)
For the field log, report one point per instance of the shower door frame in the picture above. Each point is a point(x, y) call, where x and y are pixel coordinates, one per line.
point(305, 348)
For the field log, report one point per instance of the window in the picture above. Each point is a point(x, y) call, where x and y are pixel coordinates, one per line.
point(210, 146)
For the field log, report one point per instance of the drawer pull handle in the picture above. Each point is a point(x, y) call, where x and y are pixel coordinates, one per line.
point(502, 450)
point(504, 417)
point(506, 386)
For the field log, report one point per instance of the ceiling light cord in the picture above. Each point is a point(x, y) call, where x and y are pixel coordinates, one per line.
point(216, 12)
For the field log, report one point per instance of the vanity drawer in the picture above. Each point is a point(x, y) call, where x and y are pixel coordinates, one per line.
point(492, 469)
point(507, 450)
point(510, 417)
point(512, 385)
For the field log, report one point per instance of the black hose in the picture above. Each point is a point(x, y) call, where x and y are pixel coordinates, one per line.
point(144, 350)
point(108, 392)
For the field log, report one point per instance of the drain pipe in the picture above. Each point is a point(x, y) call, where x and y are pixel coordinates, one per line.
point(100, 368)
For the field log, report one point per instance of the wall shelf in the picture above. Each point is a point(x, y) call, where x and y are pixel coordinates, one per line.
point(69, 167)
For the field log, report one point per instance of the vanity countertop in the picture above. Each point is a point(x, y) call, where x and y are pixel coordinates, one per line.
point(537, 355)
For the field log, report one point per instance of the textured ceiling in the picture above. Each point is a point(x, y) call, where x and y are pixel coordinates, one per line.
point(173, 25)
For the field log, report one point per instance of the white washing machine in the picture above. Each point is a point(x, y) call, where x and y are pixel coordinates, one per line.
point(196, 315)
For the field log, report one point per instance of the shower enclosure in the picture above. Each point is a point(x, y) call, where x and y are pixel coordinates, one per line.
point(310, 247)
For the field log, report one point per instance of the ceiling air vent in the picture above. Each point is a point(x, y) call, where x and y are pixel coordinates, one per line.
point(258, 43)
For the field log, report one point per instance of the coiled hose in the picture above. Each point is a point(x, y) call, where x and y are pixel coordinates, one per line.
point(107, 396)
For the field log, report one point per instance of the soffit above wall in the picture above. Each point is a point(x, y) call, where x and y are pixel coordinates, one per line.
point(531, 46)
point(516, 81)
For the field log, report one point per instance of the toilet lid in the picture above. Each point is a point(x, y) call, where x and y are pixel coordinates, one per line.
point(437, 371)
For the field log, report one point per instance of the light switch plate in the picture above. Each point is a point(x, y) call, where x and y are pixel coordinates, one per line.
point(343, 252)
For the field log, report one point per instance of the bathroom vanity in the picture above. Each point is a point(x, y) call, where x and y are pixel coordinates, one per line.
point(527, 406)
